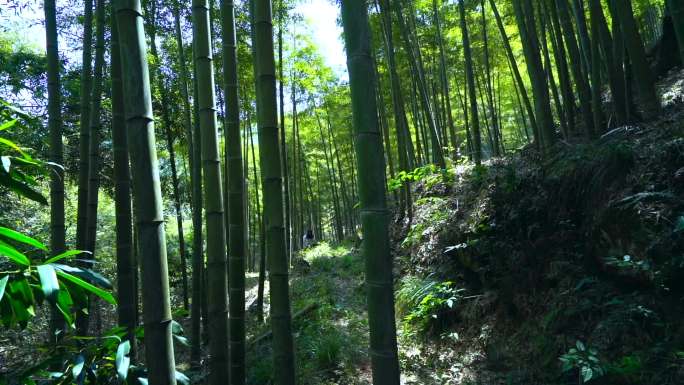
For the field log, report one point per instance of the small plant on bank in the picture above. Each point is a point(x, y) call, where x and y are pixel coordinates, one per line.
point(430, 174)
point(426, 305)
point(585, 360)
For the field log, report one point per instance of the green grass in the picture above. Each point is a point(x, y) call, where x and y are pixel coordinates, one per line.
point(330, 340)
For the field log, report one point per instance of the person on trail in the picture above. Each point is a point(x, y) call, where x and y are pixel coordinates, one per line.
point(308, 239)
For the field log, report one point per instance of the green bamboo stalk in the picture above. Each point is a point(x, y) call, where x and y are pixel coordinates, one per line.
point(84, 133)
point(57, 226)
point(371, 176)
point(624, 14)
point(579, 76)
point(269, 154)
point(514, 65)
point(147, 194)
point(472, 93)
point(198, 308)
point(236, 198)
point(676, 8)
point(211, 167)
point(125, 264)
point(95, 124)
point(524, 14)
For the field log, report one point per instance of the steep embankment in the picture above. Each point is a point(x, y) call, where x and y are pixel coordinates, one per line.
point(551, 272)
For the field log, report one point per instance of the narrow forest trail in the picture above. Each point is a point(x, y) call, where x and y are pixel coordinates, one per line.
point(331, 328)
point(329, 319)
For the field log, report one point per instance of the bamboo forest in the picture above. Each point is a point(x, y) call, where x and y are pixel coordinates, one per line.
point(342, 192)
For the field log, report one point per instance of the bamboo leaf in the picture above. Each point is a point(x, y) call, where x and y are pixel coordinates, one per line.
point(85, 274)
point(14, 147)
point(64, 304)
point(7, 125)
point(21, 189)
point(87, 286)
point(3, 284)
point(19, 237)
point(78, 366)
point(6, 163)
point(48, 281)
point(182, 378)
point(123, 361)
point(66, 255)
point(14, 255)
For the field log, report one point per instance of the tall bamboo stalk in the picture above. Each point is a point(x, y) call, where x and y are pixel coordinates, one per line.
point(125, 262)
point(147, 194)
point(84, 133)
point(211, 167)
point(270, 161)
point(374, 215)
point(472, 93)
point(57, 226)
point(236, 198)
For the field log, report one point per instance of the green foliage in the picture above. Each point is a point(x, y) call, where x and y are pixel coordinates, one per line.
point(629, 263)
point(28, 283)
point(324, 249)
point(628, 366)
point(414, 235)
point(478, 175)
point(585, 360)
point(17, 165)
point(429, 174)
point(424, 304)
point(437, 214)
point(85, 360)
point(92, 360)
point(331, 335)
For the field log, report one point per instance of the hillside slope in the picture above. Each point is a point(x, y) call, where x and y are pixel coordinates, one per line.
point(551, 272)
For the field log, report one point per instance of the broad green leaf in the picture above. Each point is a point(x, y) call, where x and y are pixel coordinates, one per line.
point(48, 281)
point(20, 309)
point(19, 237)
point(22, 287)
point(87, 286)
point(181, 340)
point(123, 361)
point(182, 378)
point(3, 284)
point(65, 255)
point(587, 374)
point(86, 274)
point(7, 125)
point(78, 366)
point(25, 162)
point(21, 188)
point(64, 304)
point(6, 163)
point(23, 177)
point(176, 328)
point(14, 147)
point(14, 255)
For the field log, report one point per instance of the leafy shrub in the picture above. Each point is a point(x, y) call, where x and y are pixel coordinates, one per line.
point(438, 213)
point(324, 249)
point(30, 277)
point(426, 304)
point(429, 174)
point(585, 360)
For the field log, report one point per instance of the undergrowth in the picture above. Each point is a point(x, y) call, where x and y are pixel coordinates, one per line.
point(330, 325)
point(572, 267)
